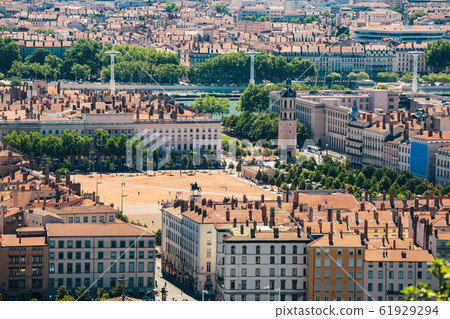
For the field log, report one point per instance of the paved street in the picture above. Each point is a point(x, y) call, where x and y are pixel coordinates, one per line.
point(173, 292)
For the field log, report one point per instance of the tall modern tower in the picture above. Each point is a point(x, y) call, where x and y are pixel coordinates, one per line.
point(415, 54)
point(252, 65)
point(287, 123)
point(112, 82)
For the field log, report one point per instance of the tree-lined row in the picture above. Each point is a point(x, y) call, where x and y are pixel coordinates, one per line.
point(256, 127)
point(87, 59)
point(333, 174)
point(235, 68)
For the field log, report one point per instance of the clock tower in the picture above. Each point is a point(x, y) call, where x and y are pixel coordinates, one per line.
point(287, 123)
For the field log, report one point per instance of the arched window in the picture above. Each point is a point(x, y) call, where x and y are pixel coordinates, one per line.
point(258, 249)
point(290, 116)
point(233, 250)
point(294, 249)
point(272, 249)
point(244, 250)
point(283, 249)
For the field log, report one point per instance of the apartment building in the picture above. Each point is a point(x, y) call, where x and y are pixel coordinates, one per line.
point(263, 264)
point(388, 271)
point(336, 268)
point(85, 214)
point(78, 254)
point(442, 170)
point(404, 156)
point(189, 246)
point(170, 135)
point(424, 148)
point(23, 266)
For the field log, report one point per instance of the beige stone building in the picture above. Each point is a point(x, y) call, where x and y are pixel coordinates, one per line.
point(99, 256)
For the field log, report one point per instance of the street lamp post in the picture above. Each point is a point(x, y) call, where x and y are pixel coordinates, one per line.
point(279, 293)
point(252, 65)
point(415, 55)
point(203, 294)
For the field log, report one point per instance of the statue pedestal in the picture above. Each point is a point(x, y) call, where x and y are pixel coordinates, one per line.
point(196, 197)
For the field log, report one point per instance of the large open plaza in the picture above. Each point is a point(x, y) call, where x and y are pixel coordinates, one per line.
point(142, 193)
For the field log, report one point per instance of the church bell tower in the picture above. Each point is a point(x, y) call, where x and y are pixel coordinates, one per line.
point(287, 123)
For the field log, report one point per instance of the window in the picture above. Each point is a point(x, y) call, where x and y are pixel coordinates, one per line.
point(294, 259)
point(359, 262)
point(257, 284)
point(244, 260)
point(87, 255)
point(338, 287)
point(131, 266)
point(113, 244)
point(272, 272)
point(317, 286)
point(258, 249)
point(257, 260)
point(100, 244)
point(350, 287)
point(100, 255)
point(233, 250)
point(140, 267)
point(294, 249)
point(244, 272)
point(61, 244)
point(100, 267)
point(359, 274)
point(272, 259)
point(318, 274)
point(232, 260)
point(327, 262)
point(380, 287)
point(326, 287)
point(272, 249)
point(380, 275)
point(400, 275)
point(391, 274)
point(87, 244)
point(370, 287)
point(338, 274)
point(78, 244)
point(87, 267)
point(351, 262)
point(410, 275)
point(69, 244)
point(339, 252)
point(257, 272)
point(283, 249)
point(244, 250)
point(122, 267)
point(78, 268)
point(317, 262)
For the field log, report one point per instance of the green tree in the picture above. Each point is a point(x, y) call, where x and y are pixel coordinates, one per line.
point(158, 236)
point(415, 15)
point(63, 295)
point(407, 77)
point(82, 294)
point(437, 55)
point(38, 56)
point(9, 52)
point(85, 52)
point(80, 71)
point(212, 105)
point(171, 7)
point(118, 290)
point(219, 7)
